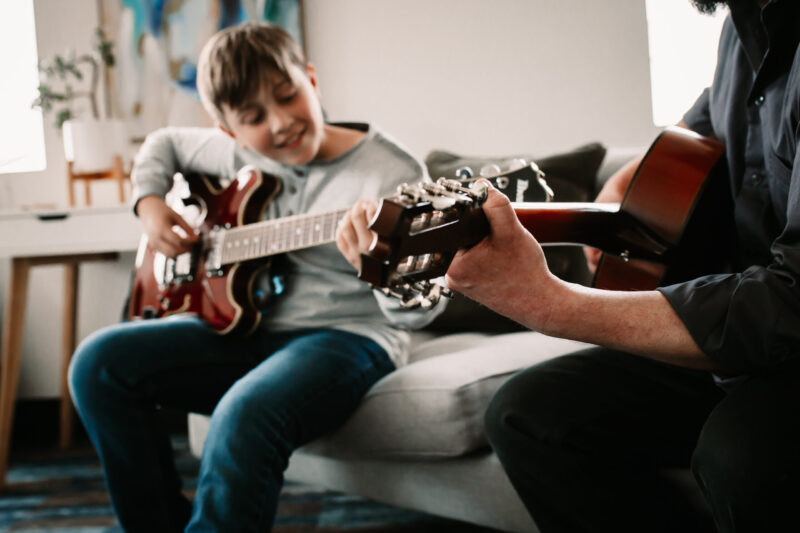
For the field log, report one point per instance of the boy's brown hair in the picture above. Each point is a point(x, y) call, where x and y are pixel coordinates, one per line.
point(236, 62)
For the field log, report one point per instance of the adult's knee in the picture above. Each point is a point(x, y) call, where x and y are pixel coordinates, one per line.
point(745, 470)
point(523, 409)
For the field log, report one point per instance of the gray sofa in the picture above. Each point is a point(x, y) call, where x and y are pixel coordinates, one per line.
point(417, 441)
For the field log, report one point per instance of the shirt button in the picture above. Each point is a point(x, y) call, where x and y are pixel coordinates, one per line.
point(292, 190)
point(289, 212)
point(756, 178)
point(759, 100)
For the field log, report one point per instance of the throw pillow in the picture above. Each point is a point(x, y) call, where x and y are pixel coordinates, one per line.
point(572, 176)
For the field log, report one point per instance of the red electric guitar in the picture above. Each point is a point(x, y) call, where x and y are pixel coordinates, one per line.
point(649, 239)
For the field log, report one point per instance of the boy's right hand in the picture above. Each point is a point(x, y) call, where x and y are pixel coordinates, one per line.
point(166, 230)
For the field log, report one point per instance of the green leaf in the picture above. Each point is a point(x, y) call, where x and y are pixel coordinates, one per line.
point(62, 116)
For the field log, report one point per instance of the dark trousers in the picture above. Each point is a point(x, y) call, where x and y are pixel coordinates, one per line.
point(585, 439)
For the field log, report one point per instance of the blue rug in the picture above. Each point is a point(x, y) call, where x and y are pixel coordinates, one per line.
point(64, 492)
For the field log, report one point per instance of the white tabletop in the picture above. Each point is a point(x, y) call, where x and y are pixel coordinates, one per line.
point(26, 233)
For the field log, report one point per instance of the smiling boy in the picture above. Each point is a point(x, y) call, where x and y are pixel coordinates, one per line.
point(322, 344)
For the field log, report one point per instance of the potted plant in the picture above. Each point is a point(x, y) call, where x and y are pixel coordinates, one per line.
point(69, 85)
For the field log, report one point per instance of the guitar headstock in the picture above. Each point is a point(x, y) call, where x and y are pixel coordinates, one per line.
point(421, 228)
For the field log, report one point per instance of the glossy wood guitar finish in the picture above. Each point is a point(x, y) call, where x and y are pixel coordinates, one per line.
point(670, 226)
point(222, 296)
point(663, 231)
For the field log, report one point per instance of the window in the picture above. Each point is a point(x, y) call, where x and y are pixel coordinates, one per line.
point(683, 53)
point(21, 129)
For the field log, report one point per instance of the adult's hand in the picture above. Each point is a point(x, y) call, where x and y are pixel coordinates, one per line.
point(507, 270)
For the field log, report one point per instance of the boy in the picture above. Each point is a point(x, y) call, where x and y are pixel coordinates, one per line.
point(321, 346)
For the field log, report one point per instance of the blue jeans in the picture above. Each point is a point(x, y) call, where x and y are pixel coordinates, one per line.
point(267, 394)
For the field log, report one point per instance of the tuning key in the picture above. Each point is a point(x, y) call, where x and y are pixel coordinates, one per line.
point(464, 173)
point(487, 171)
point(479, 190)
point(517, 163)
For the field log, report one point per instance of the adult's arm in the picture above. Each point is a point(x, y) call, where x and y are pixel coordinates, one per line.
point(507, 272)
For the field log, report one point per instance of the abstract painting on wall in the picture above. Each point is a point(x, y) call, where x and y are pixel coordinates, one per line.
point(157, 43)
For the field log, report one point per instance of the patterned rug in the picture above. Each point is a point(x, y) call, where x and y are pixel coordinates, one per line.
point(63, 492)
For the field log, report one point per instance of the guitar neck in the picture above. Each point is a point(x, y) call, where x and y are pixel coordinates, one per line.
point(599, 225)
point(272, 237)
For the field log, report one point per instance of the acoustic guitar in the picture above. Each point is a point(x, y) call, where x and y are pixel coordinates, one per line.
point(672, 225)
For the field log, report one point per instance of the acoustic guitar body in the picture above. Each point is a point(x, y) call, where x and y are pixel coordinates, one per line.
point(679, 193)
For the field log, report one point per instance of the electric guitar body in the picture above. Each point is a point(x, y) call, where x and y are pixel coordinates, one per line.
point(222, 294)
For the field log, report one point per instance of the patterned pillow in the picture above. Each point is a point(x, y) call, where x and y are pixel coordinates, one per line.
point(572, 177)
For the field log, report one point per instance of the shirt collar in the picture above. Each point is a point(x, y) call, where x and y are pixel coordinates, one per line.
point(746, 17)
point(770, 36)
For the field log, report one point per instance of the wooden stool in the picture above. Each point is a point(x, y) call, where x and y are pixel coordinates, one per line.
point(116, 173)
point(12, 342)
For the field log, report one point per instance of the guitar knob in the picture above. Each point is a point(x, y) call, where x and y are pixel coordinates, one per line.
point(464, 173)
point(517, 163)
point(489, 170)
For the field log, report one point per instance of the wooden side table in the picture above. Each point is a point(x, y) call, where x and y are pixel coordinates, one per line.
point(35, 238)
point(117, 172)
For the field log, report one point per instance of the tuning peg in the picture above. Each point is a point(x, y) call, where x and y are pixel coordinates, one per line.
point(464, 173)
point(517, 163)
point(489, 170)
point(480, 191)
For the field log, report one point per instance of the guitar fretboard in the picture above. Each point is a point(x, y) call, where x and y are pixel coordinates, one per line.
point(273, 237)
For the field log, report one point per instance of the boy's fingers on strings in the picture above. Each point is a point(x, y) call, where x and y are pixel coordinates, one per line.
point(364, 210)
point(346, 240)
point(188, 233)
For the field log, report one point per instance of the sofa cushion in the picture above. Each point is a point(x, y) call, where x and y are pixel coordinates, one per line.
point(572, 176)
point(434, 407)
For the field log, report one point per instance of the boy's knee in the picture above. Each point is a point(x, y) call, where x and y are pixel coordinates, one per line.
point(240, 412)
point(90, 362)
point(243, 426)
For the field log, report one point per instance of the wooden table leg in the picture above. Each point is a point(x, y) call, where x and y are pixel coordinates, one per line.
point(119, 175)
point(11, 355)
point(12, 342)
point(68, 335)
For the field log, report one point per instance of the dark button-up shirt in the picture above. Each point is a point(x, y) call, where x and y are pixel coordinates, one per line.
point(750, 319)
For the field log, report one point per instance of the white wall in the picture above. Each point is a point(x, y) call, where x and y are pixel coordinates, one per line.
point(476, 76)
point(486, 77)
